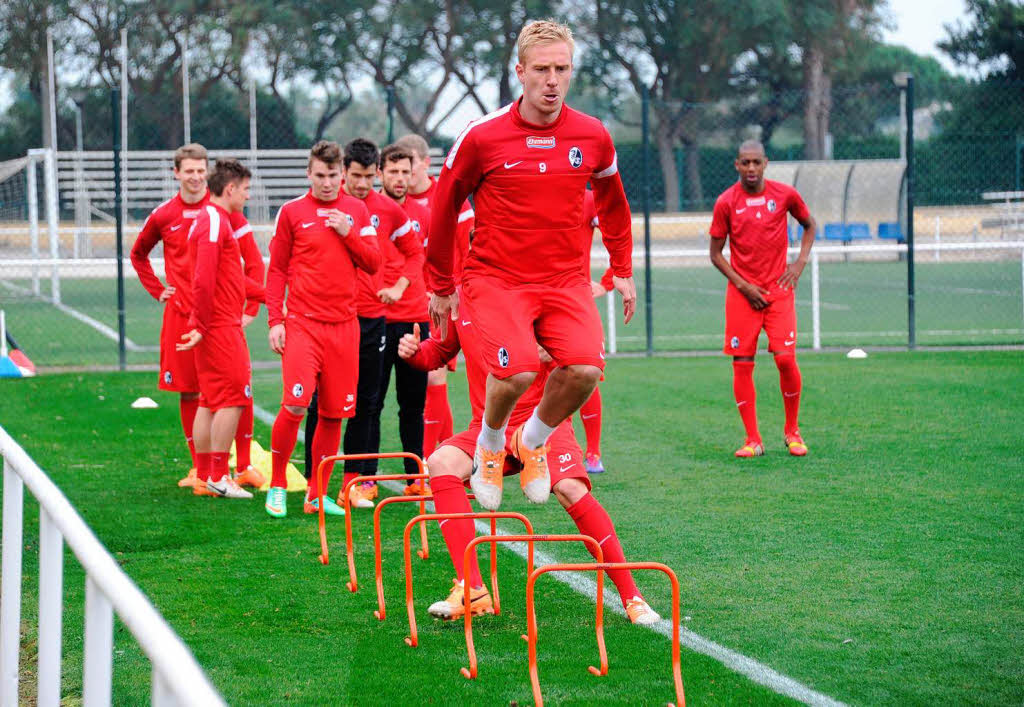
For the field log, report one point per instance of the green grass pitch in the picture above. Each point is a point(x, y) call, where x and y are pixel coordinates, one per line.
point(884, 568)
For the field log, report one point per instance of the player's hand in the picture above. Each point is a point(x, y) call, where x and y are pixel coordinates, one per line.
point(190, 338)
point(626, 288)
point(276, 337)
point(755, 295)
point(596, 289)
point(792, 274)
point(167, 293)
point(443, 308)
point(390, 295)
point(339, 221)
point(248, 319)
point(409, 344)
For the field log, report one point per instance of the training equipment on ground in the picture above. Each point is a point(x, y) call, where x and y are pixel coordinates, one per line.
point(262, 461)
point(13, 363)
point(413, 639)
point(857, 353)
point(144, 403)
point(600, 567)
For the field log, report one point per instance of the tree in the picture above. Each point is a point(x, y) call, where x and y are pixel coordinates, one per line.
point(995, 41)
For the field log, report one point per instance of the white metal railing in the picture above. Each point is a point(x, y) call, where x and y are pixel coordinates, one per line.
point(177, 679)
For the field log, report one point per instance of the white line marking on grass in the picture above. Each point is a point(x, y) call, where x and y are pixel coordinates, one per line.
point(583, 584)
point(75, 314)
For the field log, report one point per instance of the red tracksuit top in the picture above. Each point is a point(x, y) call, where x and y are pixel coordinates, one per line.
point(401, 254)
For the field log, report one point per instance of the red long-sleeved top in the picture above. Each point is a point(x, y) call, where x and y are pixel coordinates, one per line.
point(400, 253)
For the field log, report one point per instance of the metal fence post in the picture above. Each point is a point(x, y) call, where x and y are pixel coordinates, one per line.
point(815, 301)
point(911, 328)
point(646, 190)
point(98, 648)
point(115, 101)
point(10, 600)
point(52, 219)
point(33, 219)
point(51, 593)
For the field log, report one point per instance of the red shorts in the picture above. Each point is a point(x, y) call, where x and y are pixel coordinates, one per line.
point(565, 458)
point(177, 368)
point(511, 321)
point(743, 323)
point(321, 356)
point(225, 374)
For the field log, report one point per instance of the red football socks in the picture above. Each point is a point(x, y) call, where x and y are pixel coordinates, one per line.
point(187, 407)
point(450, 497)
point(590, 415)
point(243, 439)
point(325, 444)
point(746, 397)
point(437, 418)
point(203, 464)
point(282, 443)
point(592, 519)
point(218, 465)
point(790, 383)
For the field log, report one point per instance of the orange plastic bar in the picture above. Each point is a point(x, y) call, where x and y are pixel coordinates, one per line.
point(471, 671)
point(413, 639)
point(377, 561)
point(599, 567)
point(322, 524)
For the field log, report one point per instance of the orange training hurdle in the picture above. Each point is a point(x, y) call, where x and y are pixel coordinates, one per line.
point(600, 567)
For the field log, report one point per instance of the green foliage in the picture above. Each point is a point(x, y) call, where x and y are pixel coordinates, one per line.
point(994, 41)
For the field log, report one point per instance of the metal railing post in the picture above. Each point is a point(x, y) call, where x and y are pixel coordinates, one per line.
point(98, 648)
point(10, 601)
point(51, 594)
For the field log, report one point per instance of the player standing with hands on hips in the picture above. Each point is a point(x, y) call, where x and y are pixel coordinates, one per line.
point(752, 214)
point(527, 166)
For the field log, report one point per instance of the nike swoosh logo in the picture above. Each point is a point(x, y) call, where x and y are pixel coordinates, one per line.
point(307, 225)
point(587, 417)
point(465, 323)
point(510, 165)
point(175, 228)
point(563, 469)
point(348, 407)
point(740, 211)
point(789, 342)
point(382, 347)
point(791, 395)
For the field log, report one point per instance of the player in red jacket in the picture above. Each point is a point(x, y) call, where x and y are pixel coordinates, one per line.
point(322, 240)
point(438, 423)
point(528, 166)
point(169, 223)
point(752, 214)
point(451, 464)
point(219, 292)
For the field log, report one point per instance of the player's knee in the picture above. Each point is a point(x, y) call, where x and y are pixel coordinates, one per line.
point(786, 362)
point(569, 491)
point(583, 377)
point(295, 409)
point(449, 461)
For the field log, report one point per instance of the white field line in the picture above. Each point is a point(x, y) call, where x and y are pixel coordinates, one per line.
point(75, 314)
point(583, 584)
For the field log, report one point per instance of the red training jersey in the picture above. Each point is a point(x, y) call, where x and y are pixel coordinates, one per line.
point(399, 254)
point(412, 307)
point(463, 228)
point(435, 352)
point(316, 264)
point(219, 285)
point(755, 225)
point(529, 183)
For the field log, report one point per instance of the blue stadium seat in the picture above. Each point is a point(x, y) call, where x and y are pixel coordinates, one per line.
point(796, 233)
point(834, 232)
point(857, 231)
point(891, 231)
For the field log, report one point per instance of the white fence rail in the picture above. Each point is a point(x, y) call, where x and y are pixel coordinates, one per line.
point(177, 679)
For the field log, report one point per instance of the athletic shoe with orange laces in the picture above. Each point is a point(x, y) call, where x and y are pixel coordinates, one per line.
point(534, 477)
point(795, 444)
point(640, 612)
point(199, 489)
point(250, 476)
point(189, 480)
point(486, 479)
point(420, 487)
point(454, 606)
point(361, 495)
point(750, 449)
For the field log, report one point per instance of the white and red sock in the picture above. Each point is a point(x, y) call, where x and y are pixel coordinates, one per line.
point(592, 519)
point(187, 407)
point(746, 397)
point(535, 432)
point(590, 416)
point(450, 497)
point(282, 443)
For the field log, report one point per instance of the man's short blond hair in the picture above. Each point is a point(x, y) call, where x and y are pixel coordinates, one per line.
point(191, 151)
point(543, 32)
point(415, 144)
